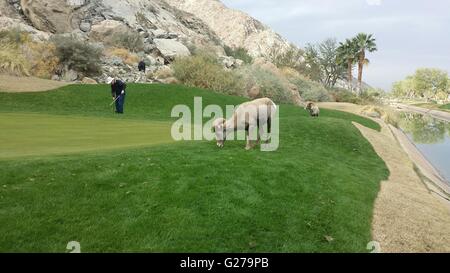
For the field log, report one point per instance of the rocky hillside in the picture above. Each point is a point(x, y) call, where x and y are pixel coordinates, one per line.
point(189, 22)
point(168, 28)
point(235, 28)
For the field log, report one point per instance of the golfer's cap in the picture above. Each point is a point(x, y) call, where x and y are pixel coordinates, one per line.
point(109, 80)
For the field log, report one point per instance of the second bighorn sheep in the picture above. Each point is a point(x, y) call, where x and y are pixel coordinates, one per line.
point(313, 109)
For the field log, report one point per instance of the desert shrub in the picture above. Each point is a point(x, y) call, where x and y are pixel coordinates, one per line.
point(14, 37)
point(123, 53)
point(21, 55)
point(312, 91)
point(309, 90)
point(13, 62)
point(204, 71)
point(270, 83)
point(292, 57)
point(77, 54)
point(239, 53)
point(130, 40)
point(386, 113)
point(42, 58)
point(163, 73)
point(344, 95)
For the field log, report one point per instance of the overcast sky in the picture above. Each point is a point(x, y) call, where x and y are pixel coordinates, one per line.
point(410, 33)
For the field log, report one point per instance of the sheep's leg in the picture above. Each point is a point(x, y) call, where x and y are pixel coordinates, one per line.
point(269, 130)
point(261, 134)
point(251, 137)
point(248, 145)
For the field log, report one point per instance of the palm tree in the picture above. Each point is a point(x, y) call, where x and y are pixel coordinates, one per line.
point(363, 42)
point(347, 55)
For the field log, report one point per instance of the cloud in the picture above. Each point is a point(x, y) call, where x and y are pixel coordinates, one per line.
point(374, 2)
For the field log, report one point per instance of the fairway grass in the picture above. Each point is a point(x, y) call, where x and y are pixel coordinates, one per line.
point(180, 197)
point(42, 134)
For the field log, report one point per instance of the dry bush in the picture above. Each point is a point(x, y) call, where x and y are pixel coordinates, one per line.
point(77, 54)
point(14, 37)
point(42, 58)
point(22, 56)
point(13, 62)
point(130, 40)
point(123, 53)
point(204, 71)
point(269, 82)
point(386, 113)
point(309, 90)
point(163, 73)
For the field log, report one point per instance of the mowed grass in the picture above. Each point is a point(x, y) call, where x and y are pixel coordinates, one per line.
point(188, 196)
point(445, 106)
point(42, 134)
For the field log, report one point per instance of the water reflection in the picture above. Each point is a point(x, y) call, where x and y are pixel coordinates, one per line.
point(432, 137)
point(424, 129)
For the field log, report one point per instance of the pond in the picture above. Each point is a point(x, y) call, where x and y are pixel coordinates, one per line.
point(432, 137)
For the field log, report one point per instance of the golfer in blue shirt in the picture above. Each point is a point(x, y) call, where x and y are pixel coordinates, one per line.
point(118, 93)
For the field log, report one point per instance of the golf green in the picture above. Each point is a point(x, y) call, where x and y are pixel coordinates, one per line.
point(26, 134)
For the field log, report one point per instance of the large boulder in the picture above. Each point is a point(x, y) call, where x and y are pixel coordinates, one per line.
point(87, 80)
point(107, 30)
point(170, 48)
point(54, 16)
point(10, 23)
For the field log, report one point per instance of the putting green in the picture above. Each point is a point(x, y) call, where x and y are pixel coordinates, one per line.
point(41, 134)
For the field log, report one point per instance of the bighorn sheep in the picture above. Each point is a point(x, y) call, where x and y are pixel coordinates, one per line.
point(248, 116)
point(313, 109)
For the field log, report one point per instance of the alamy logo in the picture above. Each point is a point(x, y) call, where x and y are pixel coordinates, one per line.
point(74, 247)
point(251, 122)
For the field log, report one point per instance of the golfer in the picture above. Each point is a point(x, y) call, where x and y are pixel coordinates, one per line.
point(118, 93)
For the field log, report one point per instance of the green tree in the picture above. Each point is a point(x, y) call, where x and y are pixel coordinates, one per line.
point(364, 43)
point(324, 58)
point(347, 56)
point(430, 82)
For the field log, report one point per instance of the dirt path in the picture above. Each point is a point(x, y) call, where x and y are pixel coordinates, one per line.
point(407, 216)
point(27, 84)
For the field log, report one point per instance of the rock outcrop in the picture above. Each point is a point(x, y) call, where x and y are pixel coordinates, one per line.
point(200, 23)
point(235, 28)
point(168, 29)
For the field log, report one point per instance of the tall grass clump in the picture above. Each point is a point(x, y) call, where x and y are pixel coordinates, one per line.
point(204, 71)
point(12, 60)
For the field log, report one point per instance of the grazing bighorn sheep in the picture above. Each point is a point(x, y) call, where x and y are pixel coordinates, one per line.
point(247, 116)
point(313, 109)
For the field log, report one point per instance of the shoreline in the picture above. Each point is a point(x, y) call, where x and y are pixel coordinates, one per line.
point(423, 164)
point(410, 215)
point(441, 115)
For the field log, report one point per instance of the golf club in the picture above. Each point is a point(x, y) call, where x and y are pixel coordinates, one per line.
point(114, 101)
point(112, 104)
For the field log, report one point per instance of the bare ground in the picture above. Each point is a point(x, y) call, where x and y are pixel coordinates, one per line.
point(27, 84)
point(408, 216)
